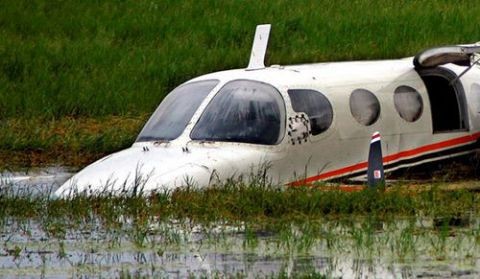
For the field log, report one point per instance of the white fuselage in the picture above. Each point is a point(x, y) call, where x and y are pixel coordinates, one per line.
point(341, 150)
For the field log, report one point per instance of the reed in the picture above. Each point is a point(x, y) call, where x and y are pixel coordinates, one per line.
point(253, 203)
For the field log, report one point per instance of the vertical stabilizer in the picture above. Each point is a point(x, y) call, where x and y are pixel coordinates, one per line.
point(259, 48)
point(375, 173)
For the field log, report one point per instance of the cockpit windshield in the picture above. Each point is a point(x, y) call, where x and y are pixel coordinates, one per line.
point(243, 111)
point(176, 110)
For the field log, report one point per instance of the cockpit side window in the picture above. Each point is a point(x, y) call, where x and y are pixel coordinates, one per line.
point(243, 111)
point(174, 113)
point(315, 105)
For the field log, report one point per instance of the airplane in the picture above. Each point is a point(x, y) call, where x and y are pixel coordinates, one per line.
point(300, 123)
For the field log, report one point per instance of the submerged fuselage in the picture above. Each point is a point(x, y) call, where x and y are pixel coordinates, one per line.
point(299, 123)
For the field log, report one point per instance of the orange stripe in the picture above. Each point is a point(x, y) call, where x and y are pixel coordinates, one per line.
point(432, 147)
point(343, 188)
point(391, 158)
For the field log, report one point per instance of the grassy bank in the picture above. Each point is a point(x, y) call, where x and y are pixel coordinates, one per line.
point(27, 142)
point(84, 60)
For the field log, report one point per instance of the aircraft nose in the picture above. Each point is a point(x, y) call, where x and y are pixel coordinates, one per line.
point(189, 174)
point(135, 171)
point(117, 180)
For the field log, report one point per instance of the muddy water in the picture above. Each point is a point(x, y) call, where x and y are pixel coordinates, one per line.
point(35, 181)
point(402, 249)
point(96, 254)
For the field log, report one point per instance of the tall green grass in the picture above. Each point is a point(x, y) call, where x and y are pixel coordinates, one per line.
point(82, 61)
point(248, 202)
point(27, 142)
point(97, 58)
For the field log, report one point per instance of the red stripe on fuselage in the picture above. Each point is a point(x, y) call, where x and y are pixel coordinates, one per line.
point(391, 158)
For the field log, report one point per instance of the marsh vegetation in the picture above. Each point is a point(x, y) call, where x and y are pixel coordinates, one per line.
point(243, 230)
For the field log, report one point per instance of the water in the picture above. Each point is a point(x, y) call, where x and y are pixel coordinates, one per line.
point(42, 181)
point(57, 248)
point(96, 253)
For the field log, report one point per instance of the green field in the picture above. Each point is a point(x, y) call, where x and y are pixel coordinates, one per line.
point(72, 71)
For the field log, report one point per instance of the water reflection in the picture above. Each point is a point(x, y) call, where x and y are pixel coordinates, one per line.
point(35, 254)
point(42, 181)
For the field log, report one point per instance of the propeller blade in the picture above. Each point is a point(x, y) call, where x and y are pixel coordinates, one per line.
point(375, 174)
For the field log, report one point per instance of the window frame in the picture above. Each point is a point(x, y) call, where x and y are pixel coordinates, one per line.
point(325, 131)
point(283, 106)
point(457, 87)
point(141, 138)
point(422, 103)
point(379, 112)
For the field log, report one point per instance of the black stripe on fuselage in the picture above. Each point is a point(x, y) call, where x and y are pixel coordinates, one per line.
point(407, 162)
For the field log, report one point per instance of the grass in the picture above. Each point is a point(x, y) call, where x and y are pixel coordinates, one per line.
point(239, 202)
point(83, 60)
point(26, 142)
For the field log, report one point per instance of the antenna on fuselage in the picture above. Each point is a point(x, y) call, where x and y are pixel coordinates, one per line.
point(259, 47)
point(375, 174)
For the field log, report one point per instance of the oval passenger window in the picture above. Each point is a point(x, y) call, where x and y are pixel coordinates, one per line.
point(408, 103)
point(364, 106)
